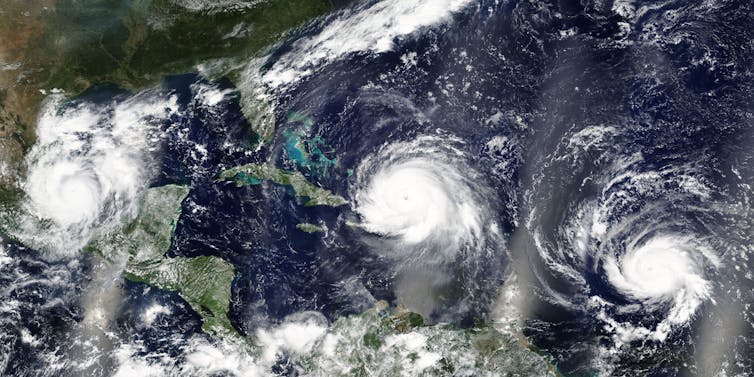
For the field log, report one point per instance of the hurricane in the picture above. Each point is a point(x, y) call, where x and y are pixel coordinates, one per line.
point(658, 269)
point(88, 168)
point(427, 206)
point(633, 256)
point(377, 188)
point(414, 191)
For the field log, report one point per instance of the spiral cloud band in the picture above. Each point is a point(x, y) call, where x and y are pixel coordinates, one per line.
point(657, 270)
point(412, 200)
point(415, 193)
point(432, 218)
point(664, 270)
point(88, 167)
point(642, 266)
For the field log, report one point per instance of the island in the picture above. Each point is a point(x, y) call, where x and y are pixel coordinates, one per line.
point(204, 282)
point(254, 174)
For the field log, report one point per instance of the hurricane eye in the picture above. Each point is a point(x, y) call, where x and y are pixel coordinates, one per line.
point(88, 168)
point(416, 197)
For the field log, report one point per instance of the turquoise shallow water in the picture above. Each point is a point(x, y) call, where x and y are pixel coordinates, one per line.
point(553, 186)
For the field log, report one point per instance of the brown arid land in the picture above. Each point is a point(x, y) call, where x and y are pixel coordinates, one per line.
point(22, 72)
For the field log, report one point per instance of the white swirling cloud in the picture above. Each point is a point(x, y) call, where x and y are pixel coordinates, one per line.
point(88, 167)
point(372, 27)
point(414, 192)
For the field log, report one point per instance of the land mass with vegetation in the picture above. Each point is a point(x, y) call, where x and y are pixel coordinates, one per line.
point(72, 46)
point(204, 282)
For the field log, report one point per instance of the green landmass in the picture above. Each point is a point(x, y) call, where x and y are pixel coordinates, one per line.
point(254, 174)
point(74, 45)
point(381, 343)
point(137, 41)
point(204, 282)
point(309, 228)
point(378, 342)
